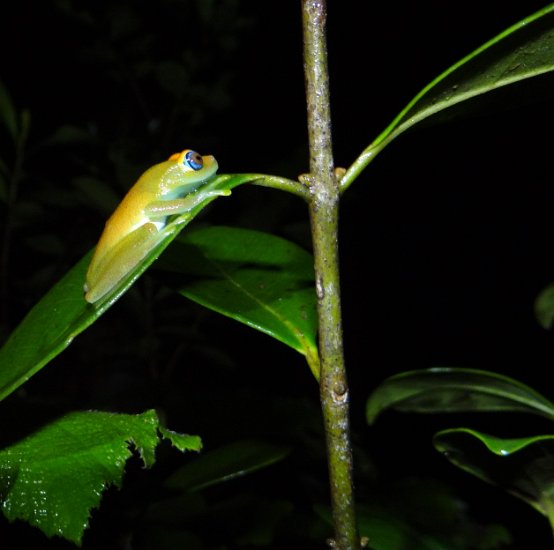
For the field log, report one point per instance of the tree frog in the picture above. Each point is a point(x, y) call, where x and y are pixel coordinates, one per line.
point(172, 187)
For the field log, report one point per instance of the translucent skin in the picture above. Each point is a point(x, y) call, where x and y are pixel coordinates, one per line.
point(171, 187)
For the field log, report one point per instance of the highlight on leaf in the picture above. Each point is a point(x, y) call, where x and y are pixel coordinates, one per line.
point(524, 50)
point(55, 477)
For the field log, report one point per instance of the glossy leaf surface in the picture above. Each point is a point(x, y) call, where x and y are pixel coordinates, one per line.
point(258, 279)
point(523, 51)
point(63, 313)
point(441, 390)
point(523, 466)
point(54, 477)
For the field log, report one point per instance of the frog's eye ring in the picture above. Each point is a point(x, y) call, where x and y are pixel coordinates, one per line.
point(193, 160)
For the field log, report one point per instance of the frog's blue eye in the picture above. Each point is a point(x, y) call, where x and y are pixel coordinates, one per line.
point(193, 160)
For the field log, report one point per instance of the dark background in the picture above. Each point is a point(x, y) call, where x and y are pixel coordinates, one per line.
point(445, 239)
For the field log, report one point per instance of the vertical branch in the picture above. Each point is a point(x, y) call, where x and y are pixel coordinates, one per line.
point(324, 204)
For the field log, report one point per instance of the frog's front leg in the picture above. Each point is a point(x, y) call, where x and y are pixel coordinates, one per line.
point(119, 260)
point(122, 257)
point(170, 207)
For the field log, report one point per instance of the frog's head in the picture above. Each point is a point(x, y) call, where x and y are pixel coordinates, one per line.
point(191, 162)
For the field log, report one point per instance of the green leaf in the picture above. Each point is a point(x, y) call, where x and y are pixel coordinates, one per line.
point(65, 135)
point(54, 477)
point(225, 463)
point(440, 390)
point(8, 114)
point(258, 279)
point(421, 514)
point(522, 51)
point(63, 312)
point(46, 330)
point(544, 307)
point(385, 531)
point(182, 442)
point(523, 466)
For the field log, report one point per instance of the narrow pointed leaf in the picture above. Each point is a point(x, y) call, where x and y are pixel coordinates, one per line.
point(441, 390)
point(258, 279)
point(225, 463)
point(523, 51)
point(54, 477)
point(523, 466)
point(63, 312)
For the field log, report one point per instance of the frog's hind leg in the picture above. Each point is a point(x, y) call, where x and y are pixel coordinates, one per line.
point(119, 260)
